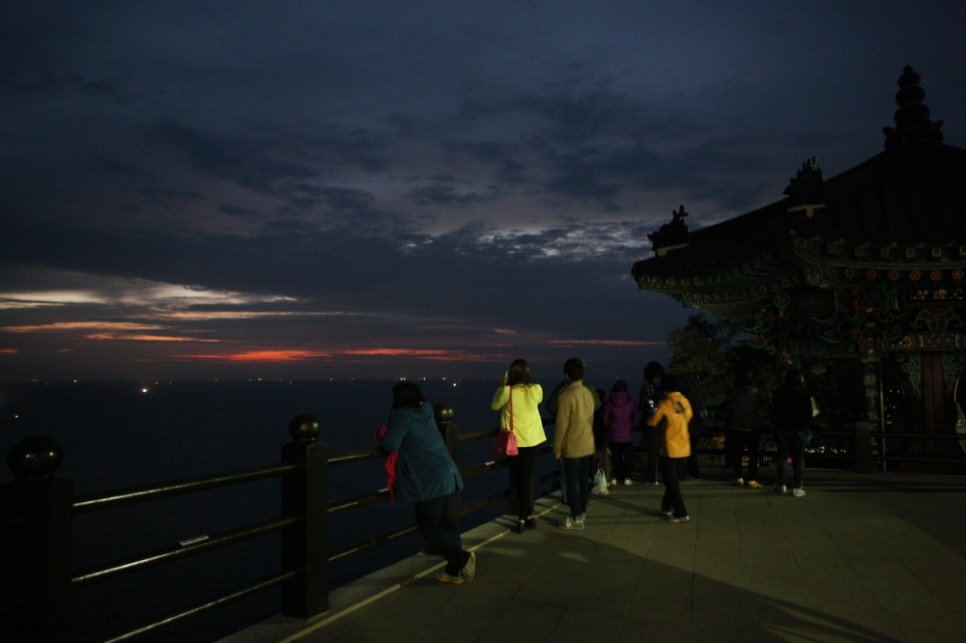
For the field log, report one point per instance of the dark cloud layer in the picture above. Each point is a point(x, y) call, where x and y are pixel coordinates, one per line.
point(385, 189)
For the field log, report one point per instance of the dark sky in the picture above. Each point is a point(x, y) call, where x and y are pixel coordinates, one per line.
point(385, 189)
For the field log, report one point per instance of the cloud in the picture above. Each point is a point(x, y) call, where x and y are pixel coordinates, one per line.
point(449, 185)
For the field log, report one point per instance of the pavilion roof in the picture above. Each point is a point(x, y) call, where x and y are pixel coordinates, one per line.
point(898, 207)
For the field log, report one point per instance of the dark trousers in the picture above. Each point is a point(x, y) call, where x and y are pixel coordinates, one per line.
point(651, 438)
point(521, 475)
point(672, 470)
point(620, 460)
point(737, 442)
point(577, 474)
point(436, 521)
point(790, 443)
point(692, 468)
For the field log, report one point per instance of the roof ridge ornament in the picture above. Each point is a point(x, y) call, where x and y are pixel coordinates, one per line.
point(912, 118)
point(670, 235)
point(805, 190)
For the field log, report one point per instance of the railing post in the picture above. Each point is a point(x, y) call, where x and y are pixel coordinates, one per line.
point(305, 545)
point(448, 428)
point(36, 544)
point(444, 414)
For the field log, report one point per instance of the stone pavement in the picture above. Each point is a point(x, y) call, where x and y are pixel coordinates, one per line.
point(863, 557)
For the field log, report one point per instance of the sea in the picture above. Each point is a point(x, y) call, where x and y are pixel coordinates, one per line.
point(119, 435)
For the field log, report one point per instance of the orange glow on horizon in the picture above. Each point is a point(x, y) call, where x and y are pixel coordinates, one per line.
point(300, 355)
point(428, 354)
point(260, 356)
point(604, 342)
point(394, 352)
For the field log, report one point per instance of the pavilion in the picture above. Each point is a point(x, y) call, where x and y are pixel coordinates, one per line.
point(864, 270)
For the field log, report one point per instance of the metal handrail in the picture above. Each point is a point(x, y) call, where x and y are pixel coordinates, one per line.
point(82, 504)
point(185, 550)
point(144, 493)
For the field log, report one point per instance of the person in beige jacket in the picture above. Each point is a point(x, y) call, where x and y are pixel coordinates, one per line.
point(574, 440)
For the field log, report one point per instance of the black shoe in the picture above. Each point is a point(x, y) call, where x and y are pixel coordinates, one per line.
point(520, 525)
point(531, 523)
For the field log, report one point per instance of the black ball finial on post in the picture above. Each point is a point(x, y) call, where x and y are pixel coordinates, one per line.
point(305, 544)
point(304, 428)
point(444, 413)
point(35, 457)
point(448, 428)
point(39, 503)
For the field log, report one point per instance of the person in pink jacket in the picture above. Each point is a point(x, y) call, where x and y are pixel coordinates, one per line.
point(620, 416)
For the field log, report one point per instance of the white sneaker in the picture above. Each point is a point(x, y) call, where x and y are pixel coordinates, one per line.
point(614, 481)
point(741, 482)
point(469, 569)
point(798, 492)
point(781, 490)
point(628, 482)
point(570, 523)
point(443, 577)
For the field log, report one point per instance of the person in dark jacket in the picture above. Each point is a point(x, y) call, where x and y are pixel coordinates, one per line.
point(600, 461)
point(791, 413)
point(742, 429)
point(650, 394)
point(620, 418)
point(427, 476)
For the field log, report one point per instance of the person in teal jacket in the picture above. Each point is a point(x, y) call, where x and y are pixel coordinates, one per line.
point(427, 476)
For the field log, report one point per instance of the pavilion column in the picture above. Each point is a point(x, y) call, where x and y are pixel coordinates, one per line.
point(872, 385)
point(864, 443)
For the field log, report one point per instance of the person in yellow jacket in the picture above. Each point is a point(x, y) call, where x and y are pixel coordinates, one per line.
point(574, 439)
point(671, 418)
point(518, 399)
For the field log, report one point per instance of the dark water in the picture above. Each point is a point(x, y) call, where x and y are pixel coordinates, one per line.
point(118, 435)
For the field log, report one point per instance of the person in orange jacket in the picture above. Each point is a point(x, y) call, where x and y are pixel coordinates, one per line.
point(672, 417)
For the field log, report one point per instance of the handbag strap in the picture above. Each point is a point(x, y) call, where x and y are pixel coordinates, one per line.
point(511, 409)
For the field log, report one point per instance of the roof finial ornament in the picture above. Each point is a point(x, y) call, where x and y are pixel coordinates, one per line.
point(805, 190)
point(912, 118)
point(670, 235)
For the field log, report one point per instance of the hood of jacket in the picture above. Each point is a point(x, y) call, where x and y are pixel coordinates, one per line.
point(675, 397)
point(620, 398)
